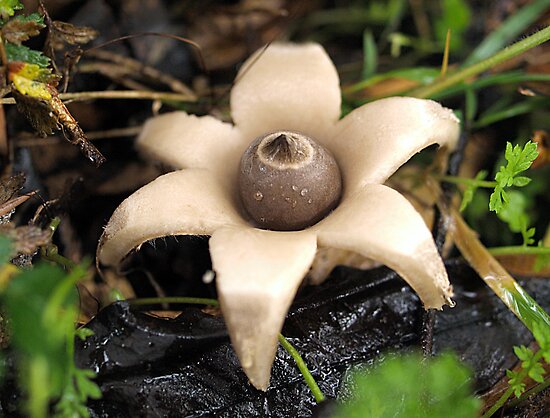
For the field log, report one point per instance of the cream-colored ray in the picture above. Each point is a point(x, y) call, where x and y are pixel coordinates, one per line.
point(286, 87)
point(374, 140)
point(185, 202)
point(257, 274)
point(381, 224)
point(189, 141)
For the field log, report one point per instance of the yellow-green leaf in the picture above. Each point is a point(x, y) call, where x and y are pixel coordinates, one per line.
point(31, 79)
point(8, 8)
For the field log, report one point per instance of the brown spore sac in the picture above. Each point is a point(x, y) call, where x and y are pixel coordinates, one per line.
point(288, 182)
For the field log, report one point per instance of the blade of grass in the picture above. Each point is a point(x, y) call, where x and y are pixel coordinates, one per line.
point(427, 75)
point(445, 63)
point(514, 26)
point(521, 108)
point(519, 250)
point(511, 77)
point(464, 74)
point(496, 277)
point(370, 55)
point(470, 106)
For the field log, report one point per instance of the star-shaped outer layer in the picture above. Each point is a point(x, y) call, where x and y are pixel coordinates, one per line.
point(290, 87)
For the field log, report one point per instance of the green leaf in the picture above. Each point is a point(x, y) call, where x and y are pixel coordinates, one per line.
point(514, 212)
point(537, 372)
point(35, 337)
point(86, 387)
point(515, 382)
point(519, 388)
point(25, 54)
point(456, 17)
point(518, 159)
point(528, 236)
point(471, 104)
point(523, 353)
point(42, 306)
point(407, 387)
point(33, 17)
point(370, 55)
point(528, 105)
point(542, 335)
point(8, 8)
point(6, 249)
point(496, 201)
point(468, 195)
point(521, 181)
point(514, 26)
point(83, 333)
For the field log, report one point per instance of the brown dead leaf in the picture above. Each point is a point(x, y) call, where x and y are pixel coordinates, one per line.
point(21, 29)
point(229, 33)
point(10, 186)
point(37, 111)
point(540, 88)
point(523, 265)
point(63, 32)
point(47, 116)
point(72, 131)
point(26, 239)
point(7, 208)
point(542, 140)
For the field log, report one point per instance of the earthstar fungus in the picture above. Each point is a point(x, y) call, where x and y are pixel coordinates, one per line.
point(289, 92)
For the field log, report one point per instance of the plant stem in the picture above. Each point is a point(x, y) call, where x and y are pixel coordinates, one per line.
point(50, 253)
point(498, 404)
point(445, 63)
point(533, 391)
point(502, 400)
point(310, 380)
point(60, 293)
point(462, 75)
point(4, 59)
point(120, 94)
point(37, 374)
point(315, 390)
point(519, 249)
point(464, 180)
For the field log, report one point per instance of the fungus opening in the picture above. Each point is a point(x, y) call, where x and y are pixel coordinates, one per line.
point(287, 181)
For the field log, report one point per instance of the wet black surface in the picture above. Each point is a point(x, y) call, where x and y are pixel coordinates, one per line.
point(127, 339)
point(150, 367)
